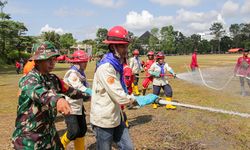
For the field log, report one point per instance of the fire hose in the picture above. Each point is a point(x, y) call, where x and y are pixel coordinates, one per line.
point(244, 115)
point(169, 75)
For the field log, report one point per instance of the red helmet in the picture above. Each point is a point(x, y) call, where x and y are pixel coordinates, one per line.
point(150, 53)
point(136, 52)
point(117, 35)
point(79, 56)
point(160, 55)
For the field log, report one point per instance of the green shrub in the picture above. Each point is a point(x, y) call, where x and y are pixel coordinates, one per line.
point(14, 55)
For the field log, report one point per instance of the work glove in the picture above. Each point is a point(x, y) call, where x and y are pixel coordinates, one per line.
point(145, 100)
point(171, 71)
point(174, 75)
point(156, 74)
point(88, 91)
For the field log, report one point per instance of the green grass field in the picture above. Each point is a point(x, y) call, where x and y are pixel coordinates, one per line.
point(161, 129)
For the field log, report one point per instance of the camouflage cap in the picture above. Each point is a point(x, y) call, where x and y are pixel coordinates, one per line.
point(44, 51)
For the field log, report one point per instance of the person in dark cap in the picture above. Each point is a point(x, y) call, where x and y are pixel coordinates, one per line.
point(41, 97)
point(242, 70)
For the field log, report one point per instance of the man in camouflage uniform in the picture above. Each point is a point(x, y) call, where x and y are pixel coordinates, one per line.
point(40, 99)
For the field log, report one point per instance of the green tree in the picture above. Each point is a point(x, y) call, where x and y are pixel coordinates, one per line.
point(217, 30)
point(196, 40)
point(247, 44)
point(234, 29)
point(101, 35)
point(153, 39)
point(10, 35)
point(179, 42)
point(52, 37)
point(204, 46)
point(67, 40)
point(226, 43)
point(167, 39)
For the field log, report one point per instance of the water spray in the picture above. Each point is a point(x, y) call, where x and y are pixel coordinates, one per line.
point(244, 115)
point(206, 84)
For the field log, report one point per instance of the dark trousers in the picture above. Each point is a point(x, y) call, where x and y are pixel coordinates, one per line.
point(18, 70)
point(119, 135)
point(76, 126)
point(136, 79)
point(167, 90)
point(242, 82)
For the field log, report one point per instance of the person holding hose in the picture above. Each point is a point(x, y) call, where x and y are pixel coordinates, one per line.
point(149, 78)
point(42, 96)
point(109, 92)
point(158, 70)
point(136, 66)
point(76, 122)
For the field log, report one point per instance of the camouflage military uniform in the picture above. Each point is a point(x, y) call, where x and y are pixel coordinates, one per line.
point(35, 128)
point(36, 111)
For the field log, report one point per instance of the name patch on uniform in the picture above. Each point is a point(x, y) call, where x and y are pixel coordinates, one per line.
point(111, 80)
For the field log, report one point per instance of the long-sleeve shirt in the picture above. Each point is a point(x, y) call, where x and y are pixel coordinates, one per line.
point(36, 111)
point(242, 67)
point(76, 80)
point(107, 96)
point(135, 65)
point(156, 69)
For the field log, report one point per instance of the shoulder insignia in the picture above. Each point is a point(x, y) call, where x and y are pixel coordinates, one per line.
point(111, 80)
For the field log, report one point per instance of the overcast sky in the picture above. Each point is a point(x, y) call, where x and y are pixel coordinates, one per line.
point(84, 17)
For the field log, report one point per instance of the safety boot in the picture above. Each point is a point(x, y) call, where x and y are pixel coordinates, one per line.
point(136, 90)
point(154, 105)
point(126, 123)
point(64, 140)
point(79, 143)
point(169, 106)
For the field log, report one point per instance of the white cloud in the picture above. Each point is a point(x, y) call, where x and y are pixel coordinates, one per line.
point(199, 27)
point(220, 19)
point(65, 12)
point(108, 3)
point(185, 21)
point(189, 16)
point(185, 3)
point(230, 8)
point(145, 20)
point(136, 20)
point(47, 28)
point(245, 9)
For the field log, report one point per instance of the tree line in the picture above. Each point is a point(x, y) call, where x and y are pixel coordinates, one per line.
point(14, 43)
